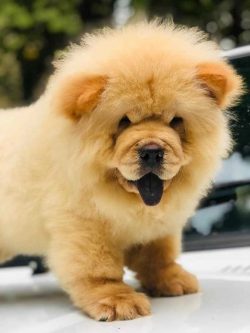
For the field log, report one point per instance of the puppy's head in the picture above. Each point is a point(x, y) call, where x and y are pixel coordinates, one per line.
point(151, 110)
point(148, 153)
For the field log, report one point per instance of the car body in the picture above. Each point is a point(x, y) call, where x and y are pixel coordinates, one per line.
point(36, 303)
point(224, 218)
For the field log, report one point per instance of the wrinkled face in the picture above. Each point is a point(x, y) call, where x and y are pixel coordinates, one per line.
point(144, 132)
point(148, 154)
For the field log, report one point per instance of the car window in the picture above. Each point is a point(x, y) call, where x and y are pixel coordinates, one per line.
point(224, 219)
point(237, 167)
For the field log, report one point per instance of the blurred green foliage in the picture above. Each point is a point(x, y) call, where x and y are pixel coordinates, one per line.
point(57, 16)
point(32, 31)
point(29, 33)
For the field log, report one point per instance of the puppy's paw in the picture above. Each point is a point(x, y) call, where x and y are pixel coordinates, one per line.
point(120, 306)
point(172, 280)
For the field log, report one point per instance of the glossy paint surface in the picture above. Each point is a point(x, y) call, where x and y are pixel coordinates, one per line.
point(36, 304)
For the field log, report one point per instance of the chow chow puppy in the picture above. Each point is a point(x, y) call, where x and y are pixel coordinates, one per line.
point(106, 167)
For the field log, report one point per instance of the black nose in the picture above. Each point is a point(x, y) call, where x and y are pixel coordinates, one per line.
point(151, 155)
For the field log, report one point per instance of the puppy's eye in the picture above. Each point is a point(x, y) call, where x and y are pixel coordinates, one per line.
point(176, 122)
point(124, 123)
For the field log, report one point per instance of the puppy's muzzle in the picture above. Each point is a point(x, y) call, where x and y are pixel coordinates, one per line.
point(150, 186)
point(151, 156)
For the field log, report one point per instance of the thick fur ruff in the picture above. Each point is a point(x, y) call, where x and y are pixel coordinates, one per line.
point(69, 165)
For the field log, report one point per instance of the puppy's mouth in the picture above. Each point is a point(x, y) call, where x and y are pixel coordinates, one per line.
point(150, 188)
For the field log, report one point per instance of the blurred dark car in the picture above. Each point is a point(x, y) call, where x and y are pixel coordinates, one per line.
point(223, 220)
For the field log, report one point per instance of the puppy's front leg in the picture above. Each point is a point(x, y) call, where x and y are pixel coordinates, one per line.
point(90, 268)
point(157, 270)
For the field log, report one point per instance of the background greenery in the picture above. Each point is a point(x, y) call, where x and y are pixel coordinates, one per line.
point(32, 32)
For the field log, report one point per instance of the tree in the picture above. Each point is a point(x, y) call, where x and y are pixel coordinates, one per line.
point(31, 32)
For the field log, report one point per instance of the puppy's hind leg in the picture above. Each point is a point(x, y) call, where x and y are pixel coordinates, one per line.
point(157, 270)
point(90, 268)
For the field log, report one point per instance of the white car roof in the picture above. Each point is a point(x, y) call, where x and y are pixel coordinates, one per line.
point(37, 305)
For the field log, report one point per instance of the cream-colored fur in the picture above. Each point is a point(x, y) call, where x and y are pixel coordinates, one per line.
point(64, 167)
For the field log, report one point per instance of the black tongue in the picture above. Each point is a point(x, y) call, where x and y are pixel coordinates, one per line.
point(150, 188)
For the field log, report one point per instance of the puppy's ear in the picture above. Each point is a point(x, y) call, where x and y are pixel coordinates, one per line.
point(81, 94)
point(220, 82)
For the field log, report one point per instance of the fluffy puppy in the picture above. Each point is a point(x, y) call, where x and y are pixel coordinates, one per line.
point(107, 166)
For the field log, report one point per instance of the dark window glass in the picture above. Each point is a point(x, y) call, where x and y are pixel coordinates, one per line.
point(224, 217)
